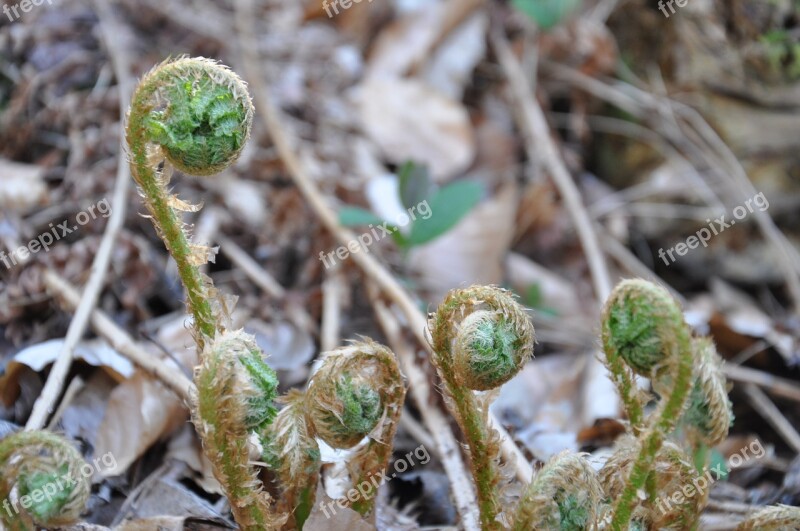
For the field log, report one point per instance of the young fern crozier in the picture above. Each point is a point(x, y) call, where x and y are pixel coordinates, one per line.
point(46, 469)
point(234, 400)
point(481, 339)
point(672, 470)
point(643, 332)
point(565, 495)
point(358, 392)
point(292, 451)
point(195, 115)
point(709, 416)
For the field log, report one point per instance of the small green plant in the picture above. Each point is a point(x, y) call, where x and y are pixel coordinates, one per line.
point(481, 338)
point(547, 13)
point(195, 115)
point(46, 471)
point(643, 333)
point(444, 207)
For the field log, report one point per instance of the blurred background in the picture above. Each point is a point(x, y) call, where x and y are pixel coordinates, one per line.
point(551, 147)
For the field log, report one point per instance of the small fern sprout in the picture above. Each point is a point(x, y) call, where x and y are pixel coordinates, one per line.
point(46, 471)
point(643, 332)
point(358, 392)
point(234, 399)
point(708, 417)
point(195, 115)
point(481, 338)
point(292, 451)
point(773, 518)
point(565, 495)
point(671, 472)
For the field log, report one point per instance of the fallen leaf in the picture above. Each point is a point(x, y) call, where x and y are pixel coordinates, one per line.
point(287, 347)
point(140, 412)
point(21, 185)
point(95, 352)
point(334, 517)
point(410, 120)
point(472, 252)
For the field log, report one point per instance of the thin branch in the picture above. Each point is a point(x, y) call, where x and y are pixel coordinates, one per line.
point(119, 340)
point(767, 409)
point(540, 145)
point(776, 385)
point(58, 374)
point(432, 417)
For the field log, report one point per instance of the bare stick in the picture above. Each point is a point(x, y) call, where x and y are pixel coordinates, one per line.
point(447, 446)
point(77, 327)
point(255, 272)
point(534, 126)
point(767, 409)
point(774, 384)
point(119, 340)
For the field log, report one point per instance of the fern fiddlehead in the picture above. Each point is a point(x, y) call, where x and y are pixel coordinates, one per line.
point(565, 495)
point(643, 332)
point(481, 338)
point(195, 115)
point(48, 473)
point(358, 392)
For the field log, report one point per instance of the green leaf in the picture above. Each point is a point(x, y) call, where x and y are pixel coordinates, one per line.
point(447, 207)
point(415, 184)
point(534, 298)
point(547, 13)
point(355, 216)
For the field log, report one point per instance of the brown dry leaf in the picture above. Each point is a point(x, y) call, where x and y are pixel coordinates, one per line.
point(21, 185)
point(405, 41)
point(409, 120)
point(186, 448)
point(95, 352)
point(140, 412)
point(163, 494)
point(737, 321)
point(334, 518)
point(472, 252)
point(162, 523)
point(452, 64)
point(583, 43)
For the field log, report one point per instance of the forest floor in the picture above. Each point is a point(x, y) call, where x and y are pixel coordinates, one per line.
point(556, 147)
